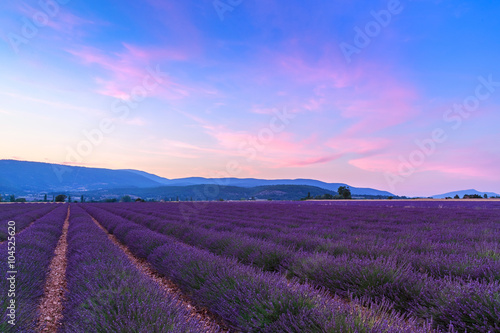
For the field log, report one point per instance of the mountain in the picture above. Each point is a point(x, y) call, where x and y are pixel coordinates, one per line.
point(464, 192)
point(252, 182)
point(20, 178)
point(150, 176)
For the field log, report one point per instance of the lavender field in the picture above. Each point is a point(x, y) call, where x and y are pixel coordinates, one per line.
point(325, 266)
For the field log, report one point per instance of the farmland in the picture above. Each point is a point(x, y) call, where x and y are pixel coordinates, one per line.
point(342, 266)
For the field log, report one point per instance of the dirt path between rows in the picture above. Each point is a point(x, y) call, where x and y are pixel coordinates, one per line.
point(210, 324)
point(51, 307)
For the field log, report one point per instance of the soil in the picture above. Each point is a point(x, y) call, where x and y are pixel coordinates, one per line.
point(50, 309)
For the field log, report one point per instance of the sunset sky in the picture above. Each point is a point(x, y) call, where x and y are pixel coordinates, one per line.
point(401, 96)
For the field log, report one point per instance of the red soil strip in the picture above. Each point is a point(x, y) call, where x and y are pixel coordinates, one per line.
point(210, 324)
point(50, 310)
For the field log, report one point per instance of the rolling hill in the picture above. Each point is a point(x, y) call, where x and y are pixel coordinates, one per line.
point(208, 192)
point(464, 192)
point(21, 178)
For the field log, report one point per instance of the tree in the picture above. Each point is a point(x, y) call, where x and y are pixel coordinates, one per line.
point(12, 198)
point(0, 198)
point(126, 198)
point(326, 196)
point(486, 196)
point(82, 199)
point(472, 196)
point(45, 198)
point(456, 196)
point(69, 198)
point(61, 198)
point(344, 192)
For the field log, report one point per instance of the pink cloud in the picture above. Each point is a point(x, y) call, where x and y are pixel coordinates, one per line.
point(127, 69)
point(51, 103)
point(367, 97)
point(137, 121)
point(180, 145)
point(377, 163)
point(314, 104)
point(309, 161)
point(282, 151)
point(66, 22)
point(370, 94)
point(379, 106)
point(358, 145)
point(474, 161)
point(60, 19)
point(156, 53)
point(329, 70)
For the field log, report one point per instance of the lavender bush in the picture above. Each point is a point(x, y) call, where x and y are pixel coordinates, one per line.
point(409, 254)
point(108, 294)
point(34, 252)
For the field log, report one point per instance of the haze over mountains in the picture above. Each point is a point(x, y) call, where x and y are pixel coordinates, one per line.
point(24, 178)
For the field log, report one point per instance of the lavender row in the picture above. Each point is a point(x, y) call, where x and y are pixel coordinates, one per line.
point(106, 293)
point(22, 216)
point(333, 223)
point(436, 258)
point(263, 254)
point(373, 279)
point(302, 213)
point(8, 211)
point(468, 242)
point(34, 250)
point(246, 298)
point(466, 306)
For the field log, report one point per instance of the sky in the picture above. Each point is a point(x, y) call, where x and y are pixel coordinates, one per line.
point(401, 96)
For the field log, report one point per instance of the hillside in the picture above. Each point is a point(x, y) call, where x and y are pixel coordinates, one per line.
point(464, 192)
point(208, 192)
point(21, 178)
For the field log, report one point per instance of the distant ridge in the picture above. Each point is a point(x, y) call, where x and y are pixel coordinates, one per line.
point(464, 192)
point(30, 177)
point(22, 177)
point(202, 193)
